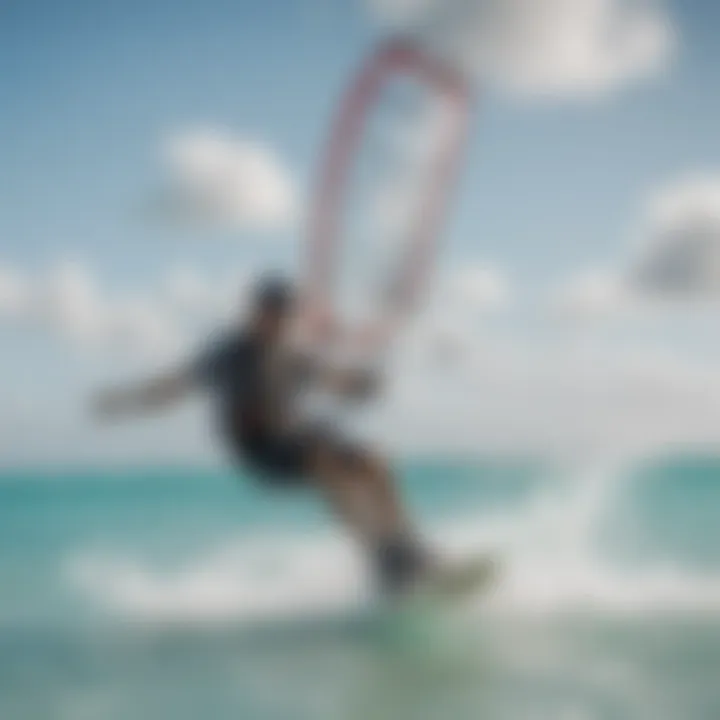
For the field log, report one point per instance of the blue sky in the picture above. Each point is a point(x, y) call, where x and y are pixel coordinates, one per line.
point(89, 90)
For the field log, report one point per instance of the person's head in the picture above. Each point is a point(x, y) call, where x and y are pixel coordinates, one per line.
point(272, 305)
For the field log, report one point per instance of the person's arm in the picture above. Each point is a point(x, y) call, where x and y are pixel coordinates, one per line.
point(147, 397)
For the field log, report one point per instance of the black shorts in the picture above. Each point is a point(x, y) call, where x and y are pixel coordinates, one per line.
point(286, 459)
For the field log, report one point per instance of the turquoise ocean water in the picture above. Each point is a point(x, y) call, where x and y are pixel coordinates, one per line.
point(168, 593)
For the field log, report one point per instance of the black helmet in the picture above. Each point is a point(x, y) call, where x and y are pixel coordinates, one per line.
point(274, 293)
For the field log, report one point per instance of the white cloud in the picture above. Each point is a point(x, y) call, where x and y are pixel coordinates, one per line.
point(464, 296)
point(564, 399)
point(445, 333)
point(217, 179)
point(68, 302)
point(186, 293)
point(503, 395)
point(202, 300)
point(675, 265)
point(13, 292)
point(141, 326)
point(680, 255)
point(594, 293)
point(479, 287)
point(542, 46)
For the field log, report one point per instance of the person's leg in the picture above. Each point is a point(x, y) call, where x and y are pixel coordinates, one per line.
point(375, 472)
point(347, 479)
point(361, 491)
point(356, 491)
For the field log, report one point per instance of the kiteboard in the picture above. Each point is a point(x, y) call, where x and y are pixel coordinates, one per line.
point(429, 614)
point(455, 581)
